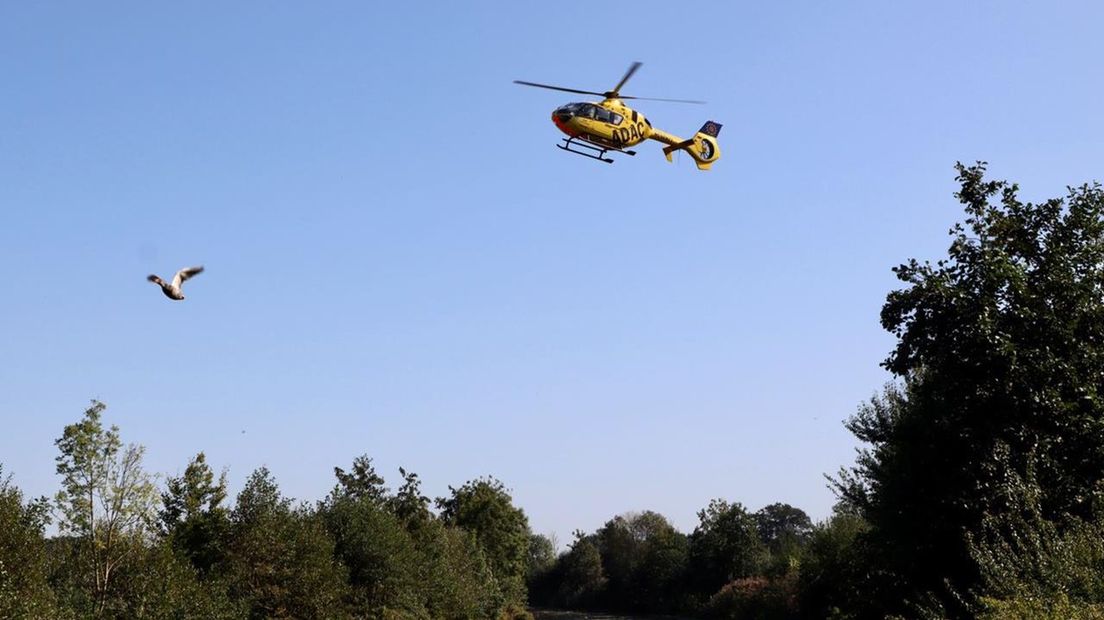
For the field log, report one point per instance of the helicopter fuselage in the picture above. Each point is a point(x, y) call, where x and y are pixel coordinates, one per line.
point(609, 123)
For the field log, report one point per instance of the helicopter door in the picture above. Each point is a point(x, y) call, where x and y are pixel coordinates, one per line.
point(606, 116)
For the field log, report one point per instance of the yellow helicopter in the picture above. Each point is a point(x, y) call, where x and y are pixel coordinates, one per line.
point(611, 126)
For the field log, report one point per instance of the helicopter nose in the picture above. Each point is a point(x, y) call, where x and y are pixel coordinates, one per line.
point(561, 115)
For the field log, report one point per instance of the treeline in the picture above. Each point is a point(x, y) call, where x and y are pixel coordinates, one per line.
point(735, 564)
point(979, 492)
point(126, 550)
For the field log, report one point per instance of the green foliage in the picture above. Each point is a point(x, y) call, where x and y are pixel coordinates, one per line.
point(1000, 343)
point(24, 591)
point(484, 508)
point(362, 482)
point(159, 583)
point(281, 559)
point(408, 503)
point(1057, 607)
point(644, 560)
point(1028, 560)
point(724, 546)
point(378, 552)
point(193, 517)
point(460, 583)
point(541, 558)
point(581, 578)
point(831, 576)
point(106, 500)
point(784, 530)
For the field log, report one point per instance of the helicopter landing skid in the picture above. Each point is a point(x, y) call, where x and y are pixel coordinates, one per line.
point(592, 151)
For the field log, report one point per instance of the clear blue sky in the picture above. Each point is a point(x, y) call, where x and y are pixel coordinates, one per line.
point(399, 263)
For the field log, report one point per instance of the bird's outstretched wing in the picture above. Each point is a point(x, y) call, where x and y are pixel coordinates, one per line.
point(185, 274)
point(155, 280)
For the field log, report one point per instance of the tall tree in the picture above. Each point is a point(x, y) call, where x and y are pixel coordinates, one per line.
point(778, 521)
point(784, 531)
point(582, 580)
point(362, 481)
point(24, 591)
point(372, 543)
point(107, 499)
point(643, 559)
point(193, 516)
point(484, 507)
point(282, 558)
point(724, 546)
point(408, 503)
point(999, 344)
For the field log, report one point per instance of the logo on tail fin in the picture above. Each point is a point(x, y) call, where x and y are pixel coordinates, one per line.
point(711, 128)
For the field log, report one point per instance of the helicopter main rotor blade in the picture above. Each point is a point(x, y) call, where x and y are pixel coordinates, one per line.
point(658, 99)
point(628, 74)
point(566, 90)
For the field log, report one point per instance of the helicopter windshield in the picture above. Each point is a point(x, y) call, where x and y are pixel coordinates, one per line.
point(587, 110)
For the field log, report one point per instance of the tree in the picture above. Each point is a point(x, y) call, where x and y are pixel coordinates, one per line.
point(542, 555)
point(372, 543)
point(582, 580)
point(281, 558)
point(106, 500)
point(193, 517)
point(159, 583)
point(24, 591)
point(784, 531)
point(362, 482)
point(777, 522)
point(999, 344)
point(644, 559)
point(484, 508)
point(1036, 567)
point(831, 577)
point(724, 546)
point(408, 503)
point(458, 579)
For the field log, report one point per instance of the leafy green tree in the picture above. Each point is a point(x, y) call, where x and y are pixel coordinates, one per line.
point(362, 481)
point(659, 580)
point(784, 531)
point(724, 546)
point(831, 581)
point(1028, 561)
point(459, 582)
point(542, 556)
point(408, 503)
point(999, 344)
point(24, 591)
point(160, 583)
point(582, 580)
point(281, 559)
point(778, 521)
point(106, 501)
point(193, 516)
point(644, 560)
point(484, 508)
point(372, 543)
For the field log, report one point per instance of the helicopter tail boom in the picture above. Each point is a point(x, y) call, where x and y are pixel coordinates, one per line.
point(703, 147)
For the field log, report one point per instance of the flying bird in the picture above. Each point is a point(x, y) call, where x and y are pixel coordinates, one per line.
point(172, 291)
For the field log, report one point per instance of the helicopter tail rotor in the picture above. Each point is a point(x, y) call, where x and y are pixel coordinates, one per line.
point(703, 147)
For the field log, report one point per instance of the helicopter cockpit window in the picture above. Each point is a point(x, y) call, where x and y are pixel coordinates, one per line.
point(585, 110)
point(607, 116)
